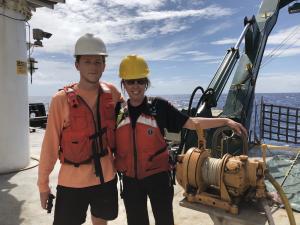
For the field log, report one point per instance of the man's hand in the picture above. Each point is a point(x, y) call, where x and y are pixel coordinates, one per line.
point(47, 200)
point(43, 198)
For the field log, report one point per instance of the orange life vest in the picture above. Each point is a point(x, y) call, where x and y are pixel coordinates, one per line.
point(77, 139)
point(142, 151)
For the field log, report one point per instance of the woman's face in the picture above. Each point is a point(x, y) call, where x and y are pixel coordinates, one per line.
point(136, 90)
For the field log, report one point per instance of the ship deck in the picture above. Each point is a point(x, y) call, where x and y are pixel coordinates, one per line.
point(19, 201)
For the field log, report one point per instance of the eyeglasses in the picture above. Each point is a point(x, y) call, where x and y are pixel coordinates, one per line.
point(136, 81)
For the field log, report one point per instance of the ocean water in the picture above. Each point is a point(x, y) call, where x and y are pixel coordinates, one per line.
point(182, 101)
point(283, 99)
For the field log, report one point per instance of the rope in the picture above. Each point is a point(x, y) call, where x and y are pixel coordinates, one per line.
point(211, 171)
point(290, 169)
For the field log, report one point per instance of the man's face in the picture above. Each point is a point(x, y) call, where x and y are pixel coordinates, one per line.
point(91, 68)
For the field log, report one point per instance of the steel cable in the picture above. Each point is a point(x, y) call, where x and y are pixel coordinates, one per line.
point(211, 171)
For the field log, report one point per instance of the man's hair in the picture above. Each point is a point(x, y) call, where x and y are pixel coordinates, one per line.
point(77, 58)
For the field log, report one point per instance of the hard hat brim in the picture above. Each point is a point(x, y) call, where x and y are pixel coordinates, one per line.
point(103, 54)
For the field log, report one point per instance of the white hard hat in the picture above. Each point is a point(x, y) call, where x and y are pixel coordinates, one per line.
point(90, 45)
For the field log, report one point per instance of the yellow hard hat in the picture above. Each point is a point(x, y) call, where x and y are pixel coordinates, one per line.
point(133, 67)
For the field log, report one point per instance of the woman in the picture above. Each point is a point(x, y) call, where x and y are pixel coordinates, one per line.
point(141, 154)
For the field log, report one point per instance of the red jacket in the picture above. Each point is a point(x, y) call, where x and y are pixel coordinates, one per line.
point(77, 139)
point(142, 151)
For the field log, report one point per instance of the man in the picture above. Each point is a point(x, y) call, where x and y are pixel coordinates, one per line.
point(80, 133)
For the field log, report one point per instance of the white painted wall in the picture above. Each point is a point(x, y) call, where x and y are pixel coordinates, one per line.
point(14, 118)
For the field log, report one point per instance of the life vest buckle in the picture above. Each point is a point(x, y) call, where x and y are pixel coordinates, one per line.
point(72, 96)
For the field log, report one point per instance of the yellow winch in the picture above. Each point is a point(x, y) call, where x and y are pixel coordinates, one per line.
point(219, 182)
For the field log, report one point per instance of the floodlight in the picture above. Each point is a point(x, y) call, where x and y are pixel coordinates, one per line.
point(295, 8)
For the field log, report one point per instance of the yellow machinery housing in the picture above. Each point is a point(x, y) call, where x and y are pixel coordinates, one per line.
point(220, 183)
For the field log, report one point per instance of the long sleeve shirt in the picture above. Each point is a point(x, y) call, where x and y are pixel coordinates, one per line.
point(58, 119)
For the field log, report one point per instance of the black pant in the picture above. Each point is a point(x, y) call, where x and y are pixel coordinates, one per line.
point(160, 191)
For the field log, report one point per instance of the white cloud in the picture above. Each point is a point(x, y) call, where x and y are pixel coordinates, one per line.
point(176, 85)
point(201, 56)
point(115, 24)
point(274, 83)
point(208, 13)
point(289, 36)
point(225, 41)
point(171, 27)
point(282, 52)
point(171, 33)
point(214, 29)
point(148, 4)
point(57, 72)
point(54, 72)
point(53, 75)
point(287, 43)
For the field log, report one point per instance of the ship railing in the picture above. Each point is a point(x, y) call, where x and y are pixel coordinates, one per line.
point(280, 123)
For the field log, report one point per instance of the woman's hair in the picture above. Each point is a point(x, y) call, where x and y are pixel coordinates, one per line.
point(148, 84)
point(77, 58)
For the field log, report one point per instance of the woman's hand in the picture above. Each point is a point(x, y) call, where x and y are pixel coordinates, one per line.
point(237, 127)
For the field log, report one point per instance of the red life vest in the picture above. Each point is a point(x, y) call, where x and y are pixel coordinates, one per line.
point(142, 151)
point(77, 139)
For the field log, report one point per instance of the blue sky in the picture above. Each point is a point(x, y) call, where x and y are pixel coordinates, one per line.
point(183, 42)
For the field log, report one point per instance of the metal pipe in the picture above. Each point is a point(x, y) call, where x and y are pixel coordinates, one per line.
point(223, 73)
point(237, 45)
point(267, 210)
point(221, 76)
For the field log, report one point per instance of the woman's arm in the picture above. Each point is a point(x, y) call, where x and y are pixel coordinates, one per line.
point(204, 123)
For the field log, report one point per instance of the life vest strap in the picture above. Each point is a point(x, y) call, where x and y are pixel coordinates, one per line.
point(121, 176)
point(157, 153)
point(98, 134)
point(72, 96)
point(87, 161)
